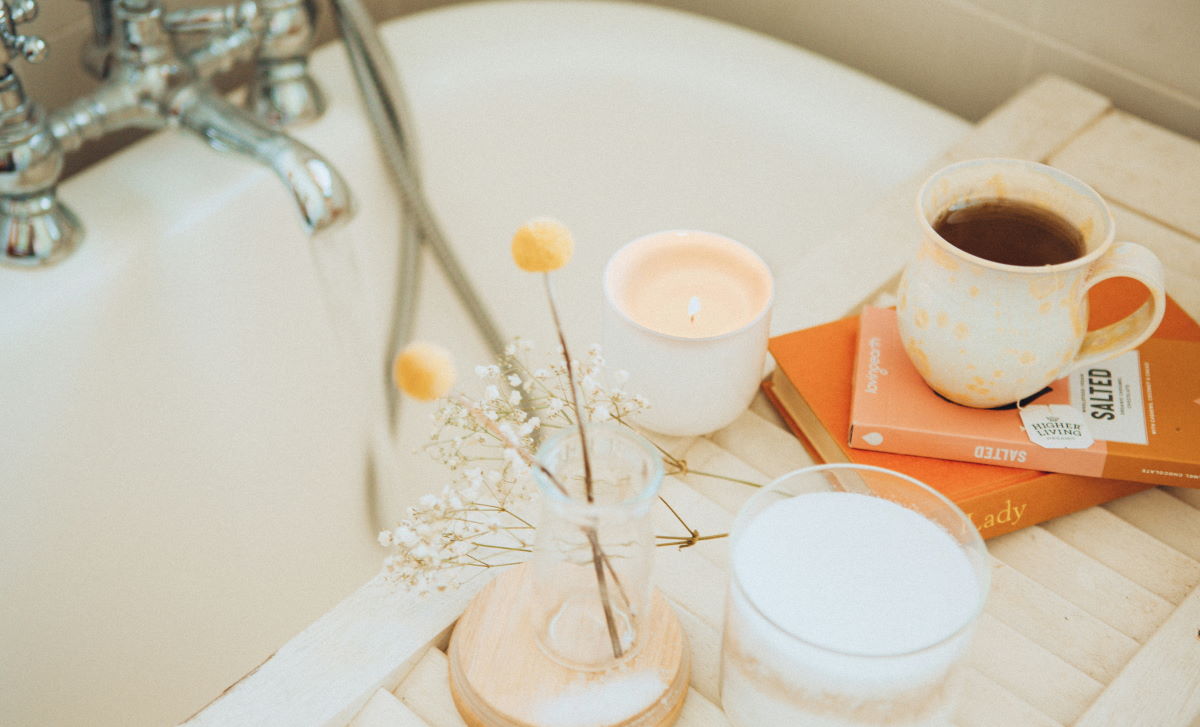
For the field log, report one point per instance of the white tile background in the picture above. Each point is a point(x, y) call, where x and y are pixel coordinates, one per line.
point(963, 55)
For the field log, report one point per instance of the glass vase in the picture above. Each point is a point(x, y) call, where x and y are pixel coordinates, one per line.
point(595, 547)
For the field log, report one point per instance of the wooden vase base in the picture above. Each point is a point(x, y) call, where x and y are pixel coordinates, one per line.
point(500, 677)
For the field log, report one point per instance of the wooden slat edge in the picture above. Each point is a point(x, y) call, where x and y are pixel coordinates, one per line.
point(1029, 671)
point(1099, 590)
point(324, 676)
point(1161, 683)
point(1059, 626)
point(426, 691)
point(384, 710)
point(1035, 123)
point(984, 703)
point(1144, 166)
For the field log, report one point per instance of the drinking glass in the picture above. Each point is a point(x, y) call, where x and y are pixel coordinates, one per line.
point(853, 595)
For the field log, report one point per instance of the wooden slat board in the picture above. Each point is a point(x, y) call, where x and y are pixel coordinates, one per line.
point(1093, 618)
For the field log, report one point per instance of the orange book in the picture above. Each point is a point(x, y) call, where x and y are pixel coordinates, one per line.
point(812, 385)
point(1140, 410)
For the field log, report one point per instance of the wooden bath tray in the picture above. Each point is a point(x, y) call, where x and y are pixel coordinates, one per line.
point(1093, 619)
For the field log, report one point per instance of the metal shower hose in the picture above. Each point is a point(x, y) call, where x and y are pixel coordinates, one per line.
point(386, 109)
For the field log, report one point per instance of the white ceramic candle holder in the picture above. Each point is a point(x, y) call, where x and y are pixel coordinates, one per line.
point(687, 314)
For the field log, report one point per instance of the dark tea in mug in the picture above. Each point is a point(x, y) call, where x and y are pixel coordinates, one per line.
point(1010, 232)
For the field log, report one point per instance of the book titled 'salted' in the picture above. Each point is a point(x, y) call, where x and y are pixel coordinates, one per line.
point(812, 387)
point(1142, 408)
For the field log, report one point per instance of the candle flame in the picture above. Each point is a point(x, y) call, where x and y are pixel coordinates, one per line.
point(693, 308)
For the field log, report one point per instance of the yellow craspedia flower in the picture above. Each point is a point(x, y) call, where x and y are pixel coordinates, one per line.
point(542, 245)
point(424, 371)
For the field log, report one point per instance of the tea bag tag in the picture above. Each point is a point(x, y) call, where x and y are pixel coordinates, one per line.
point(1056, 426)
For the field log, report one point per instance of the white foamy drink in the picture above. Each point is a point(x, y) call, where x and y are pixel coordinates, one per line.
point(844, 610)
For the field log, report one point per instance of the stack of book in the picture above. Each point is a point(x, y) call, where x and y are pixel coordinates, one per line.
point(848, 390)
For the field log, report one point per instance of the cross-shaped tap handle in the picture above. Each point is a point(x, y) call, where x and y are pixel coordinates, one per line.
point(22, 11)
point(29, 47)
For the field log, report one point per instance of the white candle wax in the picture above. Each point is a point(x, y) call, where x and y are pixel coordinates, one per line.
point(687, 314)
point(844, 607)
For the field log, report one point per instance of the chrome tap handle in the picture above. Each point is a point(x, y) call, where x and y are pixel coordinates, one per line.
point(35, 228)
point(221, 19)
point(31, 47)
point(278, 35)
point(13, 44)
point(22, 11)
point(282, 92)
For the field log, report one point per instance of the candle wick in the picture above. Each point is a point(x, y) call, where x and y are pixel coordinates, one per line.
point(693, 308)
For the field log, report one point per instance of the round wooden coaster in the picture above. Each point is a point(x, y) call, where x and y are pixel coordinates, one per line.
point(500, 677)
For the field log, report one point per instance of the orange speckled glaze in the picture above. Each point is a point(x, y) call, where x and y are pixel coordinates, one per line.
point(1025, 326)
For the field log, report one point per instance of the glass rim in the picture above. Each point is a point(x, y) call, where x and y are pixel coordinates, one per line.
point(654, 477)
point(975, 542)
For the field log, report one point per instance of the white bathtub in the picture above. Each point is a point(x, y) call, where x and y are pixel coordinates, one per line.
point(185, 415)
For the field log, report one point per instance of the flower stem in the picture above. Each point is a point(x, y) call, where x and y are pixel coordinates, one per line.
point(715, 476)
point(602, 583)
point(689, 541)
point(681, 522)
point(598, 556)
point(502, 547)
point(579, 417)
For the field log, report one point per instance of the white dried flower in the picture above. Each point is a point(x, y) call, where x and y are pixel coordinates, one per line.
point(445, 533)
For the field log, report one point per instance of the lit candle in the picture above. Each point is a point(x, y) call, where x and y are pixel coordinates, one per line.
point(687, 315)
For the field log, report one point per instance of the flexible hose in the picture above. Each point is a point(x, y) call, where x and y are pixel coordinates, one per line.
point(387, 112)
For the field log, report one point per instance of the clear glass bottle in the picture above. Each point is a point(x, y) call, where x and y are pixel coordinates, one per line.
point(593, 555)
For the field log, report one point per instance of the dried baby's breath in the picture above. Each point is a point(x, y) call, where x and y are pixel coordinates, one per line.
point(480, 518)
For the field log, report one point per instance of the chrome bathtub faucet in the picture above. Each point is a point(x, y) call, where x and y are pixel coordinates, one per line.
point(156, 67)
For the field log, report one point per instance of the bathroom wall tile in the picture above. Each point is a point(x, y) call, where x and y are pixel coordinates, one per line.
point(59, 78)
point(968, 56)
point(1155, 102)
point(64, 26)
point(1157, 39)
point(1023, 12)
point(964, 55)
point(1153, 38)
point(53, 15)
point(918, 45)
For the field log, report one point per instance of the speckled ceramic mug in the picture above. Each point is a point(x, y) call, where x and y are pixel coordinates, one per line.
point(983, 333)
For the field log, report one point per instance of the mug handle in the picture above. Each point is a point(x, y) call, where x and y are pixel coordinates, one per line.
point(1129, 260)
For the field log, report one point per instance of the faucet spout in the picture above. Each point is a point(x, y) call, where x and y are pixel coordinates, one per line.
point(318, 190)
